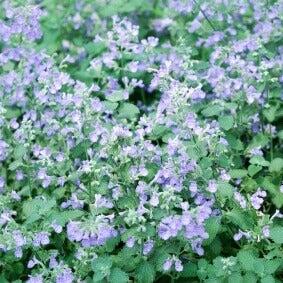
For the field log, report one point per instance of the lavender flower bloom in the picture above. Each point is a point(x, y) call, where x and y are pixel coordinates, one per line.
point(178, 265)
point(240, 199)
point(57, 227)
point(65, 276)
point(53, 263)
point(266, 231)
point(41, 238)
point(130, 242)
point(257, 198)
point(212, 186)
point(32, 262)
point(147, 247)
point(35, 279)
point(169, 227)
point(3, 150)
point(167, 264)
point(18, 252)
point(2, 184)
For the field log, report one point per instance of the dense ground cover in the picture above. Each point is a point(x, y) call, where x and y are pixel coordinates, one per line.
point(141, 141)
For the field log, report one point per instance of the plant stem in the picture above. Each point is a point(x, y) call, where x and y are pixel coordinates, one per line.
point(205, 16)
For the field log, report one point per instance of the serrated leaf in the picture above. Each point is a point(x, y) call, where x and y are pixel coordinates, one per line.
point(268, 279)
point(226, 122)
point(246, 259)
point(276, 165)
point(189, 270)
point(212, 226)
point(276, 234)
point(236, 277)
point(259, 160)
point(101, 267)
point(280, 134)
point(238, 173)
point(80, 150)
point(260, 140)
point(116, 96)
point(254, 169)
point(34, 209)
point(241, 218)
point(270, 266)
point(212, 110)
point(145, 273)
point(128, 111)
point(117, 275)
point(62, 217)
point(250, 277)
point(12, 112)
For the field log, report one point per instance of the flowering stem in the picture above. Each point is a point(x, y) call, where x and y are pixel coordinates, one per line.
point(205, 16)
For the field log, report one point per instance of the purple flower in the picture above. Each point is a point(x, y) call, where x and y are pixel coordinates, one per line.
point(3, 150)
point(32, 262)
point(212, 186)
point(2, 183)
point(41, 238)
point(238, 236)
point(257, 198)
point(35, 279)
point(266, 231)
point(130, 242)
point(169, 227)
point(65, 276)
point(18, 252)
point(167, 264)
point(178, 265)
point(240, 199)
point(57, 228)
point(147, 247)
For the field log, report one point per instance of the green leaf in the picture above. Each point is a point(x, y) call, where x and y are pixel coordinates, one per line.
point(189, 270)
point(238, 173)
point(62, 217)
point(241, 218)
point(246, 259)
point(14, 165)
point(259, 160)
point(224, 190)
point(19, 151)
point(250, 277)
point(110, 106)
point(276, 165)
point(80, 150)
point(268, 279)
point(236, 277)
point(280, 134)
point(12, 112)
point(276, 234)
point(34, 209)
point(101, 267)
point(234, 141)
point(212, 226)
point(260, 140)
point(212, 110)
point(128, 111)
point(270, 266)
point(254, 169)
point(117, 275)
point(226, 122)
point(145, 273)
point(116, 96)
point(270, 113)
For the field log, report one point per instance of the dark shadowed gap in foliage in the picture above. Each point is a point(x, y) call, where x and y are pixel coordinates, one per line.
point(147, 98)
